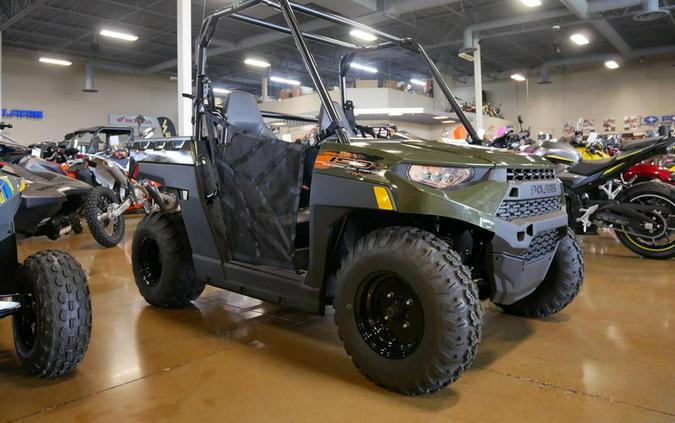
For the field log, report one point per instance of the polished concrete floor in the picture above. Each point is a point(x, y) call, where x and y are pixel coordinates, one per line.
point(609, 357)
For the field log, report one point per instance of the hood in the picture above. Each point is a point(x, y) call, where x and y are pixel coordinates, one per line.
point(438, 153)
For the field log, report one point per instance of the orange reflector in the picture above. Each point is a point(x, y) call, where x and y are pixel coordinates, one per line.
point(382, 198)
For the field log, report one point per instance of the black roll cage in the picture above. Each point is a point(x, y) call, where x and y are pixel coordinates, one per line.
point(288, 10)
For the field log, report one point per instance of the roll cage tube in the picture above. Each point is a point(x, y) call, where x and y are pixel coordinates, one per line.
point(288, 10)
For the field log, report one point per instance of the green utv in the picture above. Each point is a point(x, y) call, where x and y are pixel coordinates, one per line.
point(404, 238)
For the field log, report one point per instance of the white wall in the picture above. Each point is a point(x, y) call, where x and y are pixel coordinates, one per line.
point(592, 92)
point(56, 90)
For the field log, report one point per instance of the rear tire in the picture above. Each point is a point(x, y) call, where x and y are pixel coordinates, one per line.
point(560, 286)
point(400, 275)
point(108, 234)
point(665, 196)
point(53, 326)
point(161, 259)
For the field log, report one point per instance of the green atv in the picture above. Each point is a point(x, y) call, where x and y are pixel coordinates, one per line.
point(404, 238)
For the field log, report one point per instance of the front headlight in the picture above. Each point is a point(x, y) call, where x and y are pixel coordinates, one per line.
point(439, 176)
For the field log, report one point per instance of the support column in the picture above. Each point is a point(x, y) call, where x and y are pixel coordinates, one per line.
point(184, 41)
point(264, 88)
point(478, 85)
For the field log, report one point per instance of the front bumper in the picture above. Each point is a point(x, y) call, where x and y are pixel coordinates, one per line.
point(524, 244)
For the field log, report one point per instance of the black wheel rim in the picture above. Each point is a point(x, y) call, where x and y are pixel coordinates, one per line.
point(660, 235)
point(26, 323)
point(151, 262)
point(389, 315)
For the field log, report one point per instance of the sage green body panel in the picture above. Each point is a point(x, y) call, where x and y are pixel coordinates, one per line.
point(475, 202)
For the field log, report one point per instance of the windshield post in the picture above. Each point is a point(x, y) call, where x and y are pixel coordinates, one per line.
point(449, 96)
point(312, 68)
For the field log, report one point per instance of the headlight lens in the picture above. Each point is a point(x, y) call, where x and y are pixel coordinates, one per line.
point(439, 176)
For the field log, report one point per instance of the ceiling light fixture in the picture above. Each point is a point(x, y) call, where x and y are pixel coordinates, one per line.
point(441, 117)
point(221, 91)
point(257, 63)
point(531, 3)
point(418, 82)
point(611, 64)
point(52, 61)
point(579, 39)
point(364, 68)
point(118, 35)
point(362, 35)
point(518, 77)
point(448, 121)
point(284, 80)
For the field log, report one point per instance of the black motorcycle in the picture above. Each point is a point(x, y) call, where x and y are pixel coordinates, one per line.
point(642, 215)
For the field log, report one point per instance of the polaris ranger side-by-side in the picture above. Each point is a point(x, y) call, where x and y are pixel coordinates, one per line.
point(404, 238)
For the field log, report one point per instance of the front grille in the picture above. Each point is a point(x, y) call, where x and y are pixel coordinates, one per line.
point(542, 244)
point(521, 209)
point(530, 174)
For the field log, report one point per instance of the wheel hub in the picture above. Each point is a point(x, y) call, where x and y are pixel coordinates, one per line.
point(389, 315)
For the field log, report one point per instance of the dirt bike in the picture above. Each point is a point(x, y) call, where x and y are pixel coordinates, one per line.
point(114, 193)
point(642, 215)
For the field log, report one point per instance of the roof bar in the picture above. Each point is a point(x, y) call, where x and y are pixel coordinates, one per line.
point(287, 8)
point(334, 18)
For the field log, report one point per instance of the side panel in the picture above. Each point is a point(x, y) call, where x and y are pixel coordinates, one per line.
point(205, 249)
point(332, 197)
point(215, 267)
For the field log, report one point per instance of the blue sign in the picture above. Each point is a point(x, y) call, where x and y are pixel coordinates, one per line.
point(667, 118)
point(20, 113)
point(651, 120)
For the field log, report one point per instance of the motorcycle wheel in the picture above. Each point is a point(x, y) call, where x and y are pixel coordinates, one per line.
point(661, 246)
point(107, 232)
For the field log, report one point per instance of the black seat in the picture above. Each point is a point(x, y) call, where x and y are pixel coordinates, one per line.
point(640, 144)
point(241, 110)
point(589, 167)
point(325, 122)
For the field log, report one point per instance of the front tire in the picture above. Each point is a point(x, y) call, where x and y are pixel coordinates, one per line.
point(407, 311)
point(107, 232)
point(161, 259)
point(53, 326)
point(560, 286)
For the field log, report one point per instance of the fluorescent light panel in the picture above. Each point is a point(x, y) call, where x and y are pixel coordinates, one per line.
point(362, 35)
point(118, 35)
point(364, 68)
point(441, 117)
point(448, 121)
point(221, 91)
point(256, 62)
point(518, 77)
point(531, 3)
point(579, 39)
point(418, 82)
point(284, 80)
point(611, 64)
point(53, 61)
